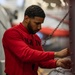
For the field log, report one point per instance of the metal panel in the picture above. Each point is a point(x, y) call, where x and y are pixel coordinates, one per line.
point(72, 33)
point(4, 24)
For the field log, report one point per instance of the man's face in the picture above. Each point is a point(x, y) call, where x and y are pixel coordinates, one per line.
point(34, 24)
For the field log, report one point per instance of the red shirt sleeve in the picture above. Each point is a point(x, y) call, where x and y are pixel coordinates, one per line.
point(48, 64)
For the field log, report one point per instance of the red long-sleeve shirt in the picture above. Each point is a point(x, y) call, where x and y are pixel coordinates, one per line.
point(24, 53)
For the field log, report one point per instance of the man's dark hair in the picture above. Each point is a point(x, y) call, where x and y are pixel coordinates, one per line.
point(34, 11)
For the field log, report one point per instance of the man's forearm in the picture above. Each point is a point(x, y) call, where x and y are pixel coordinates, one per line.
point(62, 53)
point(56, 54)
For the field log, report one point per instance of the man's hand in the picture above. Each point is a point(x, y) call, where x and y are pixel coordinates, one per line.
point(62, 53)
point(64, 63)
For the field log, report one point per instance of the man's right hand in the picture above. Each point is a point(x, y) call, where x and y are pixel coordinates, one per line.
point(64, 63)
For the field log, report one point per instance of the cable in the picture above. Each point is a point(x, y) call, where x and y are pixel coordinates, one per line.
point(50, 36)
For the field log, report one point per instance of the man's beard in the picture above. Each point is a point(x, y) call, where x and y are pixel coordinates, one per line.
point(30, 30)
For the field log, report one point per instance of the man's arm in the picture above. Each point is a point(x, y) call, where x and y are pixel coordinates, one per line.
point(64, 63)
point(63, 53)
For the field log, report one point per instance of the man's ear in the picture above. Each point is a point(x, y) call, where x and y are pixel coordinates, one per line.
point(26, 19)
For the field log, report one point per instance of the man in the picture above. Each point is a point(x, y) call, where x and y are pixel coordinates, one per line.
point(23, 50)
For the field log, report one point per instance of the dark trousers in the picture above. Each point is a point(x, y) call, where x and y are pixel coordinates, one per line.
point(6, 74)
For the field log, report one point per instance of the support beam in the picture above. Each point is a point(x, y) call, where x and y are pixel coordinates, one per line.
point(72, 32)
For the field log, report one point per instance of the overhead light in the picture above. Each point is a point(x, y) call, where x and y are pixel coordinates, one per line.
point(62, 2)
point(53, 4)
